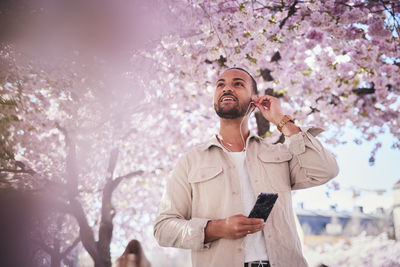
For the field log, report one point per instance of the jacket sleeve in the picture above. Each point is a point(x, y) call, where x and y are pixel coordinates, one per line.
point(174, 226)
point(311, 164)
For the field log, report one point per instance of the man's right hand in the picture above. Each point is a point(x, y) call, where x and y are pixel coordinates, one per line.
point(234, 227)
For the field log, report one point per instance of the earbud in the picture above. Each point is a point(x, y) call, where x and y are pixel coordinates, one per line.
point(251, 104)
point(250, 108)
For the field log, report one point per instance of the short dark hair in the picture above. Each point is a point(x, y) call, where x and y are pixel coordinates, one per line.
point(253, 81)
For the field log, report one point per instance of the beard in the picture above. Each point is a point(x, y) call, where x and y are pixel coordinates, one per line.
point(232, 112)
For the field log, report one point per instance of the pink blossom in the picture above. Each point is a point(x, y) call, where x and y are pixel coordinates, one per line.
point(228, 6)
point(311, 44)
point(389, 69)
point(377, 29)
point(353, 33)
point(315, 35)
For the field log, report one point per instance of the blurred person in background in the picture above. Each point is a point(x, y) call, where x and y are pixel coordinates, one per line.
point(133, 256)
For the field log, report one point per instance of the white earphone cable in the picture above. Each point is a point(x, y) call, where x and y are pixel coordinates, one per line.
point(245, 115)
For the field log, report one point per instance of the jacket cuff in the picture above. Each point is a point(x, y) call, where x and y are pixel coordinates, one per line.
point(197, 228)
point(297, 144)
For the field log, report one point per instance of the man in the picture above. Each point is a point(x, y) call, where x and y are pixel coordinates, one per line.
point(214, 186)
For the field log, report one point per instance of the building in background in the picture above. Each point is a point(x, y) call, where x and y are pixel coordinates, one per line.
point(396, 210)
point(320, 226)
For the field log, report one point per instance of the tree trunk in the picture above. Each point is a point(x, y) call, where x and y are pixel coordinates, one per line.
point(262, 124)
point(55, 261)
point(102, 262)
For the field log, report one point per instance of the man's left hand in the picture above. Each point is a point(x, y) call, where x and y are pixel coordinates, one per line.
point(270, 108)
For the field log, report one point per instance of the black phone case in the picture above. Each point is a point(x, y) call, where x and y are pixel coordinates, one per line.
point(264, 204)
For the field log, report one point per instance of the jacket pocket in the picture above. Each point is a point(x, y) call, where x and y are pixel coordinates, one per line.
point(275, 166)
point(203, 174)
point(207, 183)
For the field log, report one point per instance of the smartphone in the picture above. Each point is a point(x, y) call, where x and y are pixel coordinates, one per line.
point(263, 206)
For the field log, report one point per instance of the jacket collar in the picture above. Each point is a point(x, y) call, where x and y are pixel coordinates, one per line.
point(213, 141)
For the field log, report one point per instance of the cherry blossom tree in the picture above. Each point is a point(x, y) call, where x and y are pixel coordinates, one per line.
point(94, 115)
point(321, 57)
point(71, 125)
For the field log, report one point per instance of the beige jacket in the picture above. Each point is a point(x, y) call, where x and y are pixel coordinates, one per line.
point(205, 186)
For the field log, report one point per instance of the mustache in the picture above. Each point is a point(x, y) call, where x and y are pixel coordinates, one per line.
point(226, 94)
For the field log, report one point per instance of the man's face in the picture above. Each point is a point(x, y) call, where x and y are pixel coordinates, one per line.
point(232, 94)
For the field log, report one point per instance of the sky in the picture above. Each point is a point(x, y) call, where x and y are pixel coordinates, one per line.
point(355, 171)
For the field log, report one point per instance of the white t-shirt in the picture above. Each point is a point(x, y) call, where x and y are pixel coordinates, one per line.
point(254, 244)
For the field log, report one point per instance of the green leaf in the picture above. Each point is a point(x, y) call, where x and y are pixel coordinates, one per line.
point(247, 34)
point(306, 72)
point(273, 20)
point(355, 83)
point(267, 134)
point(242, 6)
point(251, 59)
point(282, 91)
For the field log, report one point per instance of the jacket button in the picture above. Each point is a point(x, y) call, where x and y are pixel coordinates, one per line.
point(277, 158)
point(239, 250)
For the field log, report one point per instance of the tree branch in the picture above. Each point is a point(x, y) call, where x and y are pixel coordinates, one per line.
point(49, 250)
point(117, 180)
point(107, 215)
point(73, 207)
point(20, 168)
point(291, 12)
point(31, 172)
point(112, 163)
point(106, 225)
point(214, 28)
point(85, 231)
point(364, 91)
point(71, 166)
point(71, 247)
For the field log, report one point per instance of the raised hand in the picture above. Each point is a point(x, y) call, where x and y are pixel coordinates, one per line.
point(270, 108)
